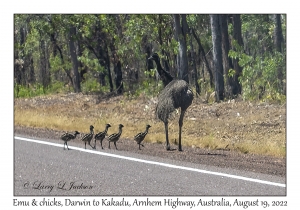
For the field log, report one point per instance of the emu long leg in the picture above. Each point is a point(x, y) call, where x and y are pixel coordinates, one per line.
point(115, 145)
point(109, 145)
point(101, 143)
point(67, 145)
point(167, 138)
point(91, 146)
point(180, 126)
point(95, 144)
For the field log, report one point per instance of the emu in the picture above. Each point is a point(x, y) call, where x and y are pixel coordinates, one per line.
point(88, 137)
point(176, 94)
point(140, 136)
point(115, 137)
point(67, 137)
point(101, 135)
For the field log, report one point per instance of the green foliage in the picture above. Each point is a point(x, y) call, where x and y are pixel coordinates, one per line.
point(127, 36)
point(263, 68)
point(150, 73)
point(90, 84)
point(259, 77)
point(90, 62)
point(57, 65)
point(21, 91)
point(231, 72)
point(149, 88)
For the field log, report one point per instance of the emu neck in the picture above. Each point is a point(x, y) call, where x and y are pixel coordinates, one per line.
point(164, 75)
point(120, 131)
point(159, 67)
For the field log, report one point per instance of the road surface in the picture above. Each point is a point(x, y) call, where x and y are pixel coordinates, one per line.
point(44, 168)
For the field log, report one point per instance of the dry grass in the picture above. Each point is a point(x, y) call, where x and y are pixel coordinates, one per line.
point(240, 126)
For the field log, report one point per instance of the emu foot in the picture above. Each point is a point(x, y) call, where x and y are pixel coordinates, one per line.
point(168, 147)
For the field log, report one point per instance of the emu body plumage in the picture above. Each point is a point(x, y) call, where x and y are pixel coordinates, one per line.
point(67, 137)
point(88, 137)
point(141, 136)
point(115, 137)
point(176, 94)
point(101, 135)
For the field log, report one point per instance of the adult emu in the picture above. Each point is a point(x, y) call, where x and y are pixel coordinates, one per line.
point(176, 94)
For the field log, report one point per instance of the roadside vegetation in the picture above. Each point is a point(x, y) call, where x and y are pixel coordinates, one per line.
point(247, 127)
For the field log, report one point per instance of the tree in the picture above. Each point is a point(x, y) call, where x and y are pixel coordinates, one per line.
point(45, 56)
point(237, 36)
point(227, 63)
point(217, 56)
point(201, 53)
point(278, 38)
point(96, 40)
point(180, 34)
point(118, 78)
point(198, 90)
point(72, 34)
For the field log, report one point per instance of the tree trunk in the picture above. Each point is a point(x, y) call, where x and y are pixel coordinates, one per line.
point(165, 62)
point(202, 54)
point(82, 68)
point(118, 78)
point(217, 56)
point(278, 37)
point(278, 40)
point(44, 73)
point(181, 37)
point(73, 54)
point(117, 68)
point(237, 35)
point(227, 63)
point(17, 66)
point(107, 65)
point(194, 66)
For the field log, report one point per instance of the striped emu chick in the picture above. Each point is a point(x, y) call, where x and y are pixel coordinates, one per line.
point(140, 136)
point(67, 137)
point(115, 137)
point(101, 135)
point(88, 137)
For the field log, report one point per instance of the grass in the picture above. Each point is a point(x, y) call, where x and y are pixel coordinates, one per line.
point(201, 128)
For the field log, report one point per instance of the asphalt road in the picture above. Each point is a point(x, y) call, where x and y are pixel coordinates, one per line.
point(44, 168)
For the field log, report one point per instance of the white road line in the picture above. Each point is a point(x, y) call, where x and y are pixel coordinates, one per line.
point(155, 163)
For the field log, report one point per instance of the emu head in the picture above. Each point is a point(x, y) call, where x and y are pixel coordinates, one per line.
point(148, 126)
point(91, 127)
point(154, 57)
point(121, 126)
point(76, 132)
point(108, 125)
